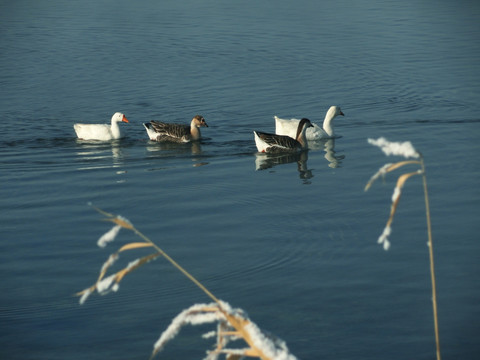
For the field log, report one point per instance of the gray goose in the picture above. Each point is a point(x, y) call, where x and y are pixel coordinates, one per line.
point(160, 131)
point(267, 142)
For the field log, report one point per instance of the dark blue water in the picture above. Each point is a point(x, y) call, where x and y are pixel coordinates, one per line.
point(294, 246)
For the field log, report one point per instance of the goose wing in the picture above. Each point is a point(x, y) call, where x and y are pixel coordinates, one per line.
point(172, 130)
point(278, 141)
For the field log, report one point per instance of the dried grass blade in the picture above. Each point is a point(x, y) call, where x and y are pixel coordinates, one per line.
point(135, 245)
point(381, 171)
point(111, 259)
point(90, 289)
point(388, 168)
point(400, 164)
point(403, 178)
point(134, 265)
point(400, 182)
point(239, 325)
point(122, 222)
point(102, 211)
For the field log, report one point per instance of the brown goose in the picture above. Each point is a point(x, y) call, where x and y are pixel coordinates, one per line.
point(160, 131)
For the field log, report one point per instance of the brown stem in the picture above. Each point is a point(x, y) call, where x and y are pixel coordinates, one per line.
point(432, 266)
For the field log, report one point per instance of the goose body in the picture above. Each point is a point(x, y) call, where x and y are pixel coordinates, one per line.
point(103, 132)
point(160, 131)
point(289, 127)
point(267, 142)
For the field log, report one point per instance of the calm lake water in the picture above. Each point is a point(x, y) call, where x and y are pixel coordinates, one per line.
point(293, 244)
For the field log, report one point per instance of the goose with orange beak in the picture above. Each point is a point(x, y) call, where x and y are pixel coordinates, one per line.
point(102, 132)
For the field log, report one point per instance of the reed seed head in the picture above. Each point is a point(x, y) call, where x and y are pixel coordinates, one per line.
point(404, 149)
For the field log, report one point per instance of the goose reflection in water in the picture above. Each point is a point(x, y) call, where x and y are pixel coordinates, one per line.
point(94, 152)
point(328, 146)
point(167, 148)
point(265, 161)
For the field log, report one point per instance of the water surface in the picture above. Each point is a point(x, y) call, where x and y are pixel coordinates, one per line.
point(291, 240)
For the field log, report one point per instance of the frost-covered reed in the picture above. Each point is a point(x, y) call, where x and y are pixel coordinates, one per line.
point(406, 150)
point(232, 324)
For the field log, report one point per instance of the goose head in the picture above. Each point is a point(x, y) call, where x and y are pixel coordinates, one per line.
point(198, 121)
point(302, 127)
point(333, 112)
point(119, 117)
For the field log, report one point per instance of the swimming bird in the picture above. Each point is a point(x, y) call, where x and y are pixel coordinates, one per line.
point(102, 132)
point(289, 127)
point(160, 131)
point(277, 143)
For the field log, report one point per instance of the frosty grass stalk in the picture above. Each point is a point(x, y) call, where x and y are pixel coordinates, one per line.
point(407, 150)
point(233, 324)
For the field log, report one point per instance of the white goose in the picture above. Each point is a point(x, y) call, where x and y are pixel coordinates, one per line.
point(266, 142)
point(160, 131)
point(289, 127)
point(102, 132)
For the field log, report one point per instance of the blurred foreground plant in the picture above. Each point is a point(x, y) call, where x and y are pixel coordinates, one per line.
point(233, 324)
point(406, 150)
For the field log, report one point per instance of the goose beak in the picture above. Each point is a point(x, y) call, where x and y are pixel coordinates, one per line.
point(125, 119)
point(341, 113)
point(204, 123)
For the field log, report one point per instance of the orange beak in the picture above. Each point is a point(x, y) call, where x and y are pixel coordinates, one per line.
point(125, 119)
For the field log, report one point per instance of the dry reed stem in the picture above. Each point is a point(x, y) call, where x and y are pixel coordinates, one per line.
point(396, 197)
point(239, 324)
point(432, 264)
point(388, 168)
point(119, 275)
point(234, 320)
point(227, 318)
point(395, 200)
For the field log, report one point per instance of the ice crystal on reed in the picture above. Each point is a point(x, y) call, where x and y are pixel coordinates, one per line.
point(383, 239)
point(396, 193)
point(209, 334)
point(272, 347)
point(109, 236)
point(105, 285)
point(110, 261)
point(404, 149)
point(192, 315)
point(382, 171)
point(85, 296)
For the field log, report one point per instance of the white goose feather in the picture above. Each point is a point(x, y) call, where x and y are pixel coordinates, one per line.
point(289, 126)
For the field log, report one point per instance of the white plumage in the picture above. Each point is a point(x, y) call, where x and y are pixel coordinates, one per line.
point(289, 127)
point(103, 132)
